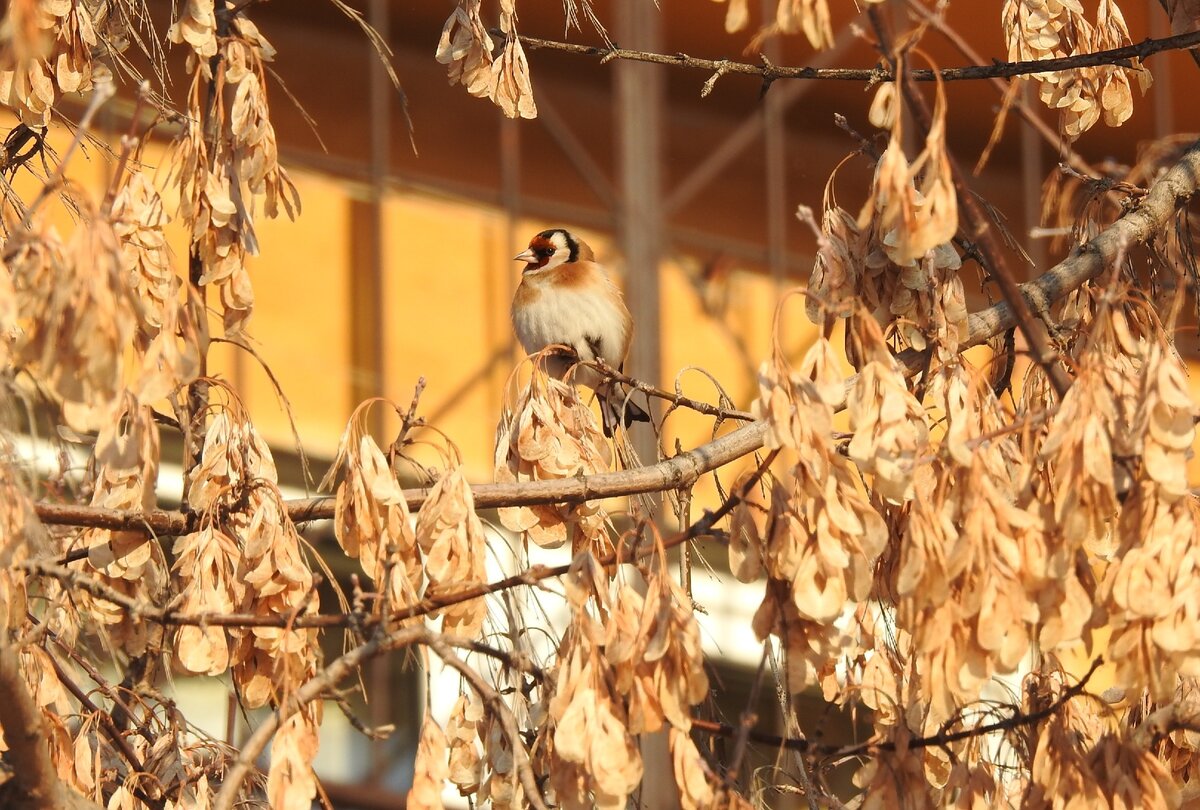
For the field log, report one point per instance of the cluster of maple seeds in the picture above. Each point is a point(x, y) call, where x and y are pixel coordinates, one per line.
point(248, 556)
point(628, 664)
point(221, 178)
point(468, 51)
point(1047, 29)
point(445, 550)
point(550, 434)
point(48, 52)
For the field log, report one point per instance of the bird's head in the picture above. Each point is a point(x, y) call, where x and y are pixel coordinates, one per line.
point(551, 248)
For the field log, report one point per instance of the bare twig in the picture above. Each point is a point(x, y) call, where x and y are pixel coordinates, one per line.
point(768, 72)
point(674, 397)
point(502, 713)
point(749, 717)
point(311, 690)
point(841, 752)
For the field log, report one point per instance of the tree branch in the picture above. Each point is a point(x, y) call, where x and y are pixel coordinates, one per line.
point(1169, 193)
point(35, 782)
point(679, 471)
point(530, 576)
point(768, 72)
point(839, 752)
point(309, 691)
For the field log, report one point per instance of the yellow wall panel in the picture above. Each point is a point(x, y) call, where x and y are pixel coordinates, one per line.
point(300, 326)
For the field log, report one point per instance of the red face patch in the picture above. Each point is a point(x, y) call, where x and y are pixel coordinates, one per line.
point(543, 248)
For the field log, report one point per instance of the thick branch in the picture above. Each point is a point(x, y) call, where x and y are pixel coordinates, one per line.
point(78, 579)
point(1169, 193)
point(35, 784)
point(674, 473)
point(311, 690)
point(769, 72)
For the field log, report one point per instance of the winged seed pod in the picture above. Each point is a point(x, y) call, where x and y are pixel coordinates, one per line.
point(841, 258)
point(808, 16)
point(1044, 29)
point(468, 51)
point(77, 315)
point(126, 456)
point(653, 645)
point(139, 222)
point(430, 770)
point(592, 757)
point(692, 774)
point(234, 486)
point(550, 434)
point(371, 518)
point(206, 564)
point(291, 783)
point(452, 539)
point(887, 421)
point(46, 50)
point(221, 178)
point(913, 206)
point(748, 531)
point(462, 731)
point(197, 27)
point(18, 527)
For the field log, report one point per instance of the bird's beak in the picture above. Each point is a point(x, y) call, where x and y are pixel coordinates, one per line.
point(526, 257)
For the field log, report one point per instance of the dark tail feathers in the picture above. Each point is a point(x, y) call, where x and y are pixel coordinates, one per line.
point(615, 408)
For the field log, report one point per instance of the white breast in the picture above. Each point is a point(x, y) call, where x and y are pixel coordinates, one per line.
point(577, 319)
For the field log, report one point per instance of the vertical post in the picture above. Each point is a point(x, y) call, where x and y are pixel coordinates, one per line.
point(366, 232)
point(510, 194)
point(775, 146)
point(1164, 115)
point(639, 96)
point(366, 301)
point(1033, 172)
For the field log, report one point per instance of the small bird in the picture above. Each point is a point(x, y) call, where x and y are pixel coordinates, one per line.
point(567, 297)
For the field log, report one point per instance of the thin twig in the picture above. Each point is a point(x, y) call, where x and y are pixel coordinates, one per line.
point(841, 752)
point(749, 717)
point(137, 767)
point(767, 72)
point(502, 713)
point(674, 397)
point(310, 690)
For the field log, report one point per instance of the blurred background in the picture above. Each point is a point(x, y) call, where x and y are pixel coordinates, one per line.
point(400, 266)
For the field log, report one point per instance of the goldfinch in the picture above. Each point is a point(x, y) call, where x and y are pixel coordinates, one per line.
point(566, 297)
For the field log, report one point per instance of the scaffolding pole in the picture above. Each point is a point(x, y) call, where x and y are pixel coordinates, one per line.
point(639, 94)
